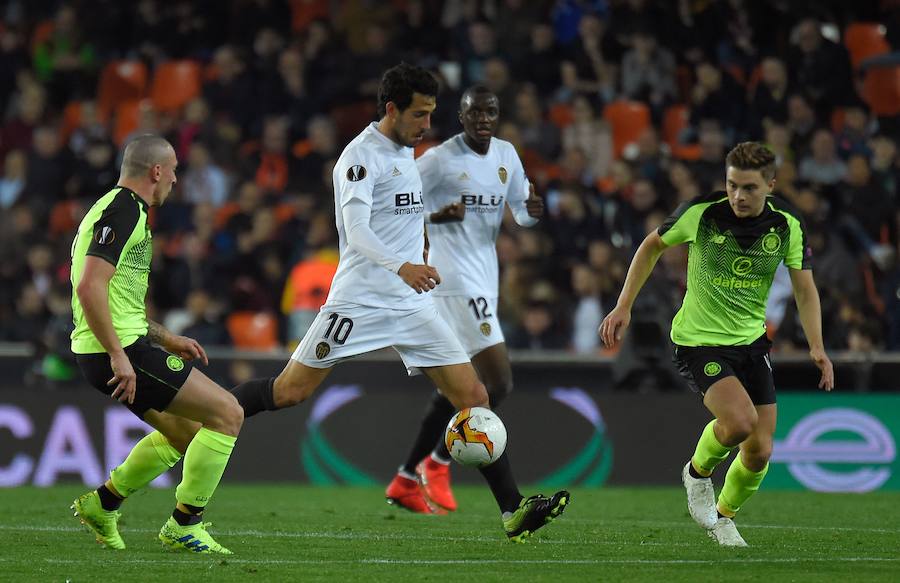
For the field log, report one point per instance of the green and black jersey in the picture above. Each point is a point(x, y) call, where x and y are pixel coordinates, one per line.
point(115, 229)
point(731, 264)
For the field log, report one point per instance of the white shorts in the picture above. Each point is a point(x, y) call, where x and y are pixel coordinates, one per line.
point(342, 330)
point(473, 320)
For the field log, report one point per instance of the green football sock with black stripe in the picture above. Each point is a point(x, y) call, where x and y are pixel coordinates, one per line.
point(204, 464)
point(740, 484)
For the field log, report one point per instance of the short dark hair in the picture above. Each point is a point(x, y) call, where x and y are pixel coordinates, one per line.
point(473, 92)
point(400, 82)
point(752, 156)
point(143, 153)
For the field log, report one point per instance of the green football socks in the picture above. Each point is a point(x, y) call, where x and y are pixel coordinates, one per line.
point(204, 464)
point(709, 452)
point(149, 458)
point(740, 484)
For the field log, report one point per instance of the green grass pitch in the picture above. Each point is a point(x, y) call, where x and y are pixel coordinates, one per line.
point(300, 533)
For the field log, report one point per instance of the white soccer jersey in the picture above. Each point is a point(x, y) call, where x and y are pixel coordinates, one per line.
point(383, 174)
point(465, 253)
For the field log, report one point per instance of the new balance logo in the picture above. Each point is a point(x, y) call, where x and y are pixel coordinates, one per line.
point(396, 172)
point(463, 176)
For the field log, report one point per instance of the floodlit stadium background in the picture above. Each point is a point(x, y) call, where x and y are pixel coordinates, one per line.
point(619, 110)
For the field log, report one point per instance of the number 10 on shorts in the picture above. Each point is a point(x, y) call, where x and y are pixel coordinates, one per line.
point(339, 327)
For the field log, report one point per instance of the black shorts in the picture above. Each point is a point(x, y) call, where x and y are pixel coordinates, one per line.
point(702, 366)
point(159, 375)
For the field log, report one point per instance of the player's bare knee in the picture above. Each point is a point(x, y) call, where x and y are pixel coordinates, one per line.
point(737, 428)
point(228, 417)
point(235, 414)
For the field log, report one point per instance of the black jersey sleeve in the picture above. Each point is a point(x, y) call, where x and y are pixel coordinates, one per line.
point(114, 227)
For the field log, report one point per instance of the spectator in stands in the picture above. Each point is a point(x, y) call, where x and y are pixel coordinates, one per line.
point(821, 67)
point(716, 97)
point(230, 93)
point(822, 165)
point(769, 102)
point(480, 45)
point(94, 171)
point(537, 133)
point(588, 313)
point(589, 66)
point(12, 183)
point(590, 134)
point(872, 209)
point(707, 169)
point(885, 163)
point(203, 181)
point(540, 62)
point(65, 61)
point(648, 72)
point(307, 288)
point(853, 137)
point(312, 154)
point(205, 323)
point(539, 329)
point(802, 123)
point(48, 167)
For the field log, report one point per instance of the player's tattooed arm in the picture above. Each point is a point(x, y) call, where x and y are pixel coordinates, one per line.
point(186, 348)
point(157, 333)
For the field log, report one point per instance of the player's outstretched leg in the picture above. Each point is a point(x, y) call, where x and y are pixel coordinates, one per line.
point(99, 509)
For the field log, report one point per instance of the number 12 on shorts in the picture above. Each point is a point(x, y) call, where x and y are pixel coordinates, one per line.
point(340, 326)
point(480, 306)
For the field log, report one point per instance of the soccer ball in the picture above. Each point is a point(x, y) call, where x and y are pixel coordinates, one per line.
point(476, 437)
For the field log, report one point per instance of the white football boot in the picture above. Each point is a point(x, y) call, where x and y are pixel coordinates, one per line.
point(701, 498)
point(726, 533)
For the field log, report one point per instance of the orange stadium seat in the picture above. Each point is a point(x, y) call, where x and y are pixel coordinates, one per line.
point(561, 115)
point(864, 40)
point(175, 83)
point(121, 81)
point(71, 120)
point(128, 118)
point(686, 152)
point(881, 90)
point(675, 119)
point(627, 120)
point(253, 330)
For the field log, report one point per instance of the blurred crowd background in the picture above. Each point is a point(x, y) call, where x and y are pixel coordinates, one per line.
point(620, 109)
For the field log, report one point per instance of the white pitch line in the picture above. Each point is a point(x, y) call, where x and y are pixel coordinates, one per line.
point(377, 561)
point(355, 536)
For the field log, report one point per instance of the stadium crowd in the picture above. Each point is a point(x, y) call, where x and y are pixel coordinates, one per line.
point(620, 109)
